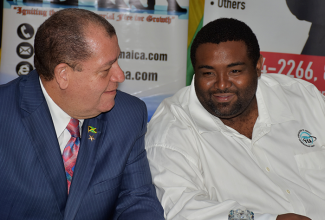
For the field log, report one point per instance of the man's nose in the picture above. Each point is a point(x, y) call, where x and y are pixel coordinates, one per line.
point(223, 81)
point(118, 75)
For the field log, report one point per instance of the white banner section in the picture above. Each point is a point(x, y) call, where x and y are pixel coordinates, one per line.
point(276, 28)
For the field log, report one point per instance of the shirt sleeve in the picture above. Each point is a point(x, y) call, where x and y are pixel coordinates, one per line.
point(181, 190)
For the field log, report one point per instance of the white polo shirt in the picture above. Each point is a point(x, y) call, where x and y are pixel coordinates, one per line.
point(202, 169)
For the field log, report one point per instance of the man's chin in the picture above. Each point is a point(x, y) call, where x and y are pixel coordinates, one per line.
point(226, 116)
point(108, 107)
point(224, 113)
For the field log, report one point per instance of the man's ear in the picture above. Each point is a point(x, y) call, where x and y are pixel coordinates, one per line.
point(259, 65)
point(61, 75)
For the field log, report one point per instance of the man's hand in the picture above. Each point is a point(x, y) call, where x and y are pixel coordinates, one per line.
point(291, 216)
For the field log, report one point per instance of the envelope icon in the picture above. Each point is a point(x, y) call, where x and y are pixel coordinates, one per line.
point(25, 50)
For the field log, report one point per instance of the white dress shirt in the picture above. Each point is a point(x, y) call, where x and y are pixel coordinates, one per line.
point(60, 120)
point(202, 169)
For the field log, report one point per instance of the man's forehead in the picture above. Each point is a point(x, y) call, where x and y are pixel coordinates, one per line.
point(235, 47)
point(96, 38)
point(229, 43)
point(91, 29)
point(227, 49)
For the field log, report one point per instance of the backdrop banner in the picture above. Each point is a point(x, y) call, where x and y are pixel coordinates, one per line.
point(195, 23)
point(291, 34)
point(152, 37)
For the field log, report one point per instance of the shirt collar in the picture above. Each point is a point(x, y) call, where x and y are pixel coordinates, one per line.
point(59, 117)
point(204, 121)
point(272, 108)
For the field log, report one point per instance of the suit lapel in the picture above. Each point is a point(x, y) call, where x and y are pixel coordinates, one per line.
point(39, 126)
point(85, 165)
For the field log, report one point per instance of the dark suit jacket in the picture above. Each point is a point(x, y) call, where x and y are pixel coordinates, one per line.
point(111, 180)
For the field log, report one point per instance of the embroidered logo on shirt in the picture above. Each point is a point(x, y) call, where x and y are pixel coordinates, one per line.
point(306, 138)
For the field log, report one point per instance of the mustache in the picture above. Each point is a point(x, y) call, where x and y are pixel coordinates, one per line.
point(218, 91)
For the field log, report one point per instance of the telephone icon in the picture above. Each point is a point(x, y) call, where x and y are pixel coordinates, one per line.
point(23, 31)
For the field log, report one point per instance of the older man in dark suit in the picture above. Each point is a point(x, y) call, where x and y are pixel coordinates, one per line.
point(51, 170)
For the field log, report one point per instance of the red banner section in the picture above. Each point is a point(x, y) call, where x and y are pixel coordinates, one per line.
point(309, 68)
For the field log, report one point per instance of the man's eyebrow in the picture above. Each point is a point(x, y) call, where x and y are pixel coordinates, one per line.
point(205, 67)
point(109, 63)
point(235, 64)
point(229, 65)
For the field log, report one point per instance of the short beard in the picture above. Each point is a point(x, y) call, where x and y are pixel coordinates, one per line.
point(236, 109)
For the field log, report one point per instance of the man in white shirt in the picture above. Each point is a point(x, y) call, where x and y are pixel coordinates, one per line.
point(72, 145)
point(236, 138)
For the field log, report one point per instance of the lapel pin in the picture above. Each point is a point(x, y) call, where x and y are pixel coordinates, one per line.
point(91, 137)
point(92, 130)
